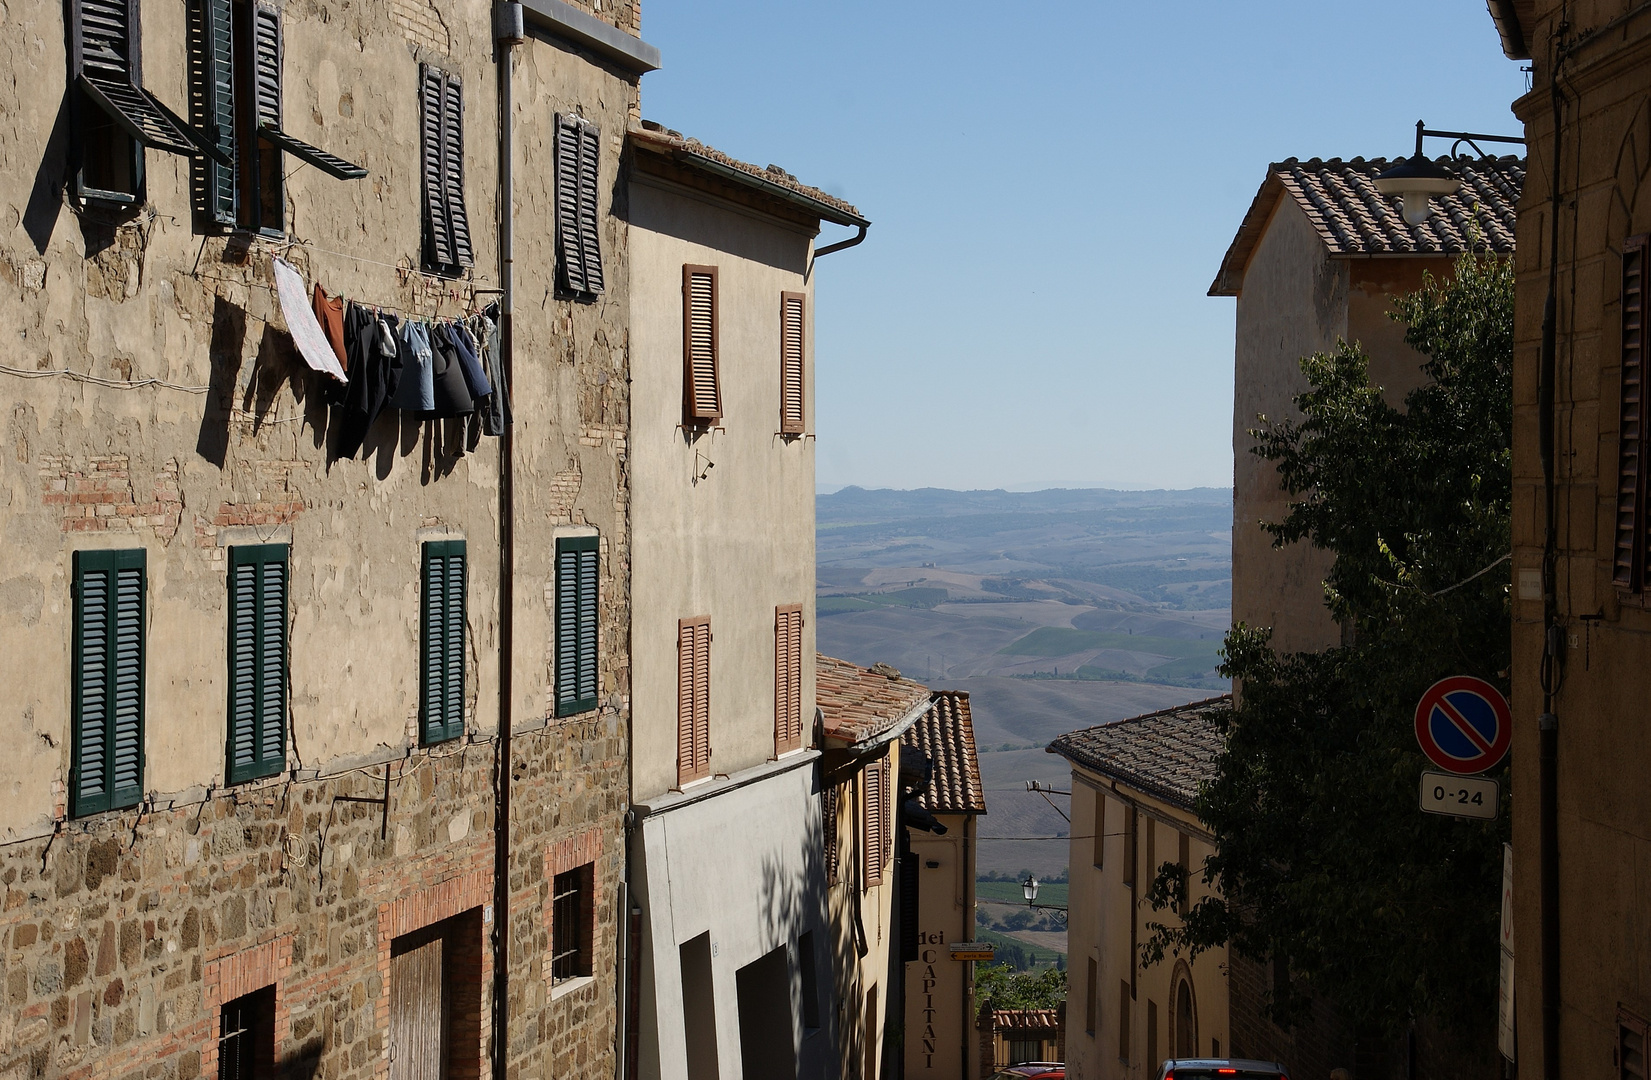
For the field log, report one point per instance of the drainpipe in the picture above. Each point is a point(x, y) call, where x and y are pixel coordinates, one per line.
point(967, 981)
point(508, 32)
point(858, 238)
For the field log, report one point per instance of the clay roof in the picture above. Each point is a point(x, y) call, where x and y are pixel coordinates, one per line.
point(946, 733)
point(859, 703)
point(1162, 754)
point(772, 180)
point(1353, 218)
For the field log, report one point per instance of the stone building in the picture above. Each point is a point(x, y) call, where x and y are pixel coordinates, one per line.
point(1319, 258)
point(276, 653)
point(733, 945)
point(1133, 786)
point(938, 886)
point(1581, 816)
point(863, 715)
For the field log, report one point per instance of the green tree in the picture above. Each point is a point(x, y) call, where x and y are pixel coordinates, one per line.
point(1007, 988)
point(1322, 857)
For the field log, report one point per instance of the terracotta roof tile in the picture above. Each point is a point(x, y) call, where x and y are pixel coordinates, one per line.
point(1353, 218)
point(946, 733)
point(860, 703)
point(664, 138)
point(1026, 1019)
point(1163, 754)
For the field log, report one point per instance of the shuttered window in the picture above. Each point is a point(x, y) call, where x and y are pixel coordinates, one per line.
point(578, 242)
point(829, 801)
point(114, 117)
point(576, 614)
point(702, 389)
point(788, 678)
point(1100, 830)
point(441, 124)
point(215, 75)
point(106, 762)
point(693, 699)
point(257, 743)
point(791, 363)
point(441, 645)
point(874, 842)
point(1631, 1046)
point(1629, 558)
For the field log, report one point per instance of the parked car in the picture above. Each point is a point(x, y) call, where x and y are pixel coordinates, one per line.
point(1220, 1069)
point(1032, 1070)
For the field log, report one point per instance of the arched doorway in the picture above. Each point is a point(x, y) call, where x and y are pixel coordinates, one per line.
point(1186, 1021)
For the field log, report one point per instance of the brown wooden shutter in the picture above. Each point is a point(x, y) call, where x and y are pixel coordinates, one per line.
point(829, 800)
point(1629, 569)
point(702, 391)
point(791, 363)
point(693, 707)
point(1631, 1045)
point(788, 678)
point(568, 238)
point(873, 845)
point(1100, 829)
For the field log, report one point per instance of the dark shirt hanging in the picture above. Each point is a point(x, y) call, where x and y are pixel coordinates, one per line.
point(495, 410)
point(374, 368)
point(451, 391)
point(470, 361)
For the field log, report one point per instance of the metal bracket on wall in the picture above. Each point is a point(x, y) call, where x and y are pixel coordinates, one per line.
point(384, 823)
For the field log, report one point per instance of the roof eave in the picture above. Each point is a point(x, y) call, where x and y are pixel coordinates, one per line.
point(1505, 14)
point(684, 156)
point(887, 735)
point(1229, 279)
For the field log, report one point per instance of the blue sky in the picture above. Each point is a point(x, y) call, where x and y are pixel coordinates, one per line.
point(1051, 188)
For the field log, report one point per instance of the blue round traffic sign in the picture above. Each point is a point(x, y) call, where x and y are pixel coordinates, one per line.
point(1464, 724)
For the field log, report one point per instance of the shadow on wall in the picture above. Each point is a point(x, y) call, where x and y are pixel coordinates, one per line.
point(782, 987)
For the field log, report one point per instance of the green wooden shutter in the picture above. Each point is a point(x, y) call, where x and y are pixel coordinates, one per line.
point(590, 154)
point(106, 756)
point(218, 105)
point(568, 246)
point(441, 667)
point(577, 565)
point(452, 167)
point(257, 744)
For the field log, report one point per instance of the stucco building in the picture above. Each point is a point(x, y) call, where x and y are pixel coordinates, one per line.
point(1133, 786)
point(1581, 816)
point(938, 886)
point(734, 934)
point(1319, 258)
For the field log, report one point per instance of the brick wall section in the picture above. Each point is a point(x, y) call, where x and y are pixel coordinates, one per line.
point(95, 494)
point(469, 888)
point(237, 975)
point(560, 857)
point(1321, 1043)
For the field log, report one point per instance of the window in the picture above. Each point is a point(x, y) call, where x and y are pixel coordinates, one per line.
point(791, 363)
point(1186, 1022)
point(810, 978)
point(576, 612)
point(1183, 902)
point(246, 1037)
point(1629, 569)
point(693, 699)
point(874, 842)
point(1152, 1032)
point(441, 124)
point(113, 117)
point(1100, 830)
point(571, 913)
point(828, 824)
point(578, 244)
point(238, 75)
point(435, 1022)
point(1123, 1020)
point(1631, 1038)
point(257, 661)
point(1131, 826)
point(106, 759)
point(1091, 988)
point(788, 679)
point(441, 645)
point(701, 386)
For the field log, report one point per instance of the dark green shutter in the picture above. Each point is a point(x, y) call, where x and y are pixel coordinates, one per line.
point(441, 667)
point(578, 155)
point(590, 147)
point(452, 167)
point(438, 233)
point(576, 611)
point(106, 755)
point(257, 743)
point(218, 102)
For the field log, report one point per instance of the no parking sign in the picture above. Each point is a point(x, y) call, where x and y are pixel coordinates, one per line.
point(1464, 725)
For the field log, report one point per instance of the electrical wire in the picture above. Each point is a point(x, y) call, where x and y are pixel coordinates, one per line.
point(98, 380)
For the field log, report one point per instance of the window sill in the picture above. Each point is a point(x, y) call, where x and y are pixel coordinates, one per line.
point(563, 989)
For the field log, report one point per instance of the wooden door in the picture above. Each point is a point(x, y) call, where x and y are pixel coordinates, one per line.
point(417, 1013)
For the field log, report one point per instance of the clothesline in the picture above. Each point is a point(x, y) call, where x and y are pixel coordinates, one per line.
point(394, 310)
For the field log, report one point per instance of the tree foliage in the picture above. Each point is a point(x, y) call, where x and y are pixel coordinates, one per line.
point(1007, 988)
point(1322, 856)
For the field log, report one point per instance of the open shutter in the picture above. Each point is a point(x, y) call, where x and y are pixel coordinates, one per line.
point(257, 661)
point(693, 699)
point(569, 247)
point(106, 756)
point(699, 343)
point(788, 678)
point(218, 106)
point(828, 825)
point(684, 702)
point(452, 167)
point(105, 55)
point(441, 670)
point(871, 846)
point(1629, 561)
point(791, 363)
point(590, 232)
point(266, 84)
point(438, 233)
point(576, 609)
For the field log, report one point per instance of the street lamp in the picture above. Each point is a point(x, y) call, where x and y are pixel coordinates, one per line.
point(1030, 888)
point(1416, 180)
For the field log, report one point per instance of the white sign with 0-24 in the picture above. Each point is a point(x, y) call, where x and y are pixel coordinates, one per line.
point(1460, 796)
